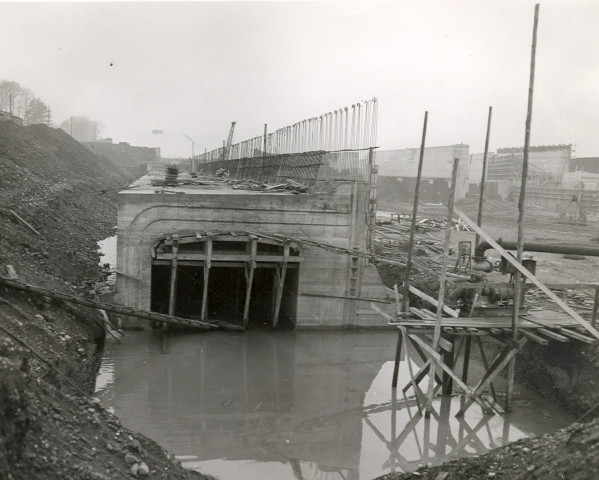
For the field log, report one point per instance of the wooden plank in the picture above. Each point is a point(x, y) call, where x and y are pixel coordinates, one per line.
point(418, 313)
point(473, 396)
point(577, 336)
point(483, 357)
point(450, 311)
point(230, 257)
point(23, 222)
point(424, 358)
point(551, 334)
point(441, 296)
point(530, 276)
point(535, 338)
point(345, 297)
point(120, 309)
point(500, 362)
point(381, 313)
point(444, 344)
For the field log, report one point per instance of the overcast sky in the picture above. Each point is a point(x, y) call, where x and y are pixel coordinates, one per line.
point(195, 67)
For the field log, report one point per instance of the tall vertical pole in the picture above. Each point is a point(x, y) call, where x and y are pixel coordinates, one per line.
point(483, 178)
point(521, 205)
point(265, 133)
point(442, 279)
point(406, 285)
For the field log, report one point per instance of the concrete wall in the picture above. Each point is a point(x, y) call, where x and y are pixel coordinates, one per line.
point(338, 218)
point(402, 165)
point(552, 159)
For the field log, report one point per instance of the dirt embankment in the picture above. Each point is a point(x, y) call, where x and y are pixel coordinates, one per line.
point(50, 428)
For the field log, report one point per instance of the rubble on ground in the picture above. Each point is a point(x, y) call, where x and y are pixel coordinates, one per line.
point(170, 179)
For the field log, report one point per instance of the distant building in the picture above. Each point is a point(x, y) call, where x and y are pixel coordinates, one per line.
point(585, 164)
point(9, 117)
point(550, 161)
point(398, 170)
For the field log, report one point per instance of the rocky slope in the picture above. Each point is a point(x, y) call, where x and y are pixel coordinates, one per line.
point(57, 199)
point(568, 454)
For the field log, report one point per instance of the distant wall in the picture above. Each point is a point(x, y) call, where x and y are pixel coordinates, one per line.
point(124, 155)
point(586, 164)
point(398, 170)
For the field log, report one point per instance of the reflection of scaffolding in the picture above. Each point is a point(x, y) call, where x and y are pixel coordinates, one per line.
point(468, 440)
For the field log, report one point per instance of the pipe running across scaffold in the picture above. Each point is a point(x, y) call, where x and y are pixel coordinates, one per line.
point(349, 128)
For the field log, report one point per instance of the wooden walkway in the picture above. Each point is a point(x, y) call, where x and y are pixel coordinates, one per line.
point(538, 326)
point(458, 336)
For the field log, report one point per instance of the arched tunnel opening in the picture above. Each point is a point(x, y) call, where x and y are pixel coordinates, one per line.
point(226, 294)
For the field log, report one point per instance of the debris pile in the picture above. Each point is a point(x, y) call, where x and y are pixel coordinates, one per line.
point(577, 299)
point(456, 223)
point(173, 179)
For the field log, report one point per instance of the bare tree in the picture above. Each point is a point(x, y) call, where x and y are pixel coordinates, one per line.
point(82, 128)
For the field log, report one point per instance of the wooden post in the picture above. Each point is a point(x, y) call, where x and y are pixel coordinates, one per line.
point(397, 358)
point(208, 247)
point(521, 207)
point(406, 286)
point(442, 279)
point(466, 362)
point(172, 301)
point(281, 273)
point(448, 359)
point(265, 132)
point(595, 307)
point(249, 279)
point(483, 178)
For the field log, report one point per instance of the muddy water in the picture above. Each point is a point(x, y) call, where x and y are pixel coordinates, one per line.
point(290, 405)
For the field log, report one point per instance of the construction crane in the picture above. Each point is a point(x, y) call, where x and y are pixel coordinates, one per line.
point(192, 144)
point(227, 146)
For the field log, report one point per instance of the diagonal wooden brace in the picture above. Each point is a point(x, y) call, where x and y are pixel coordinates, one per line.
point(472, 394)
point(498, 364)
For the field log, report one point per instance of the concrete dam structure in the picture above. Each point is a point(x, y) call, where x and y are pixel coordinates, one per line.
point(225, 247)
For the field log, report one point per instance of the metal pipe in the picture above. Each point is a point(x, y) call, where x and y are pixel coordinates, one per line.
point(562, 248)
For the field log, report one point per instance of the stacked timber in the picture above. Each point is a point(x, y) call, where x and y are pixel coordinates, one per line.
point(172, 175)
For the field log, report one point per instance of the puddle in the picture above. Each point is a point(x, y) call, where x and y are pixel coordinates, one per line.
point(291, 405)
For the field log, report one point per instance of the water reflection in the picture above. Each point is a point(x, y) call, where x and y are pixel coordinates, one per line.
point(292, 405)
